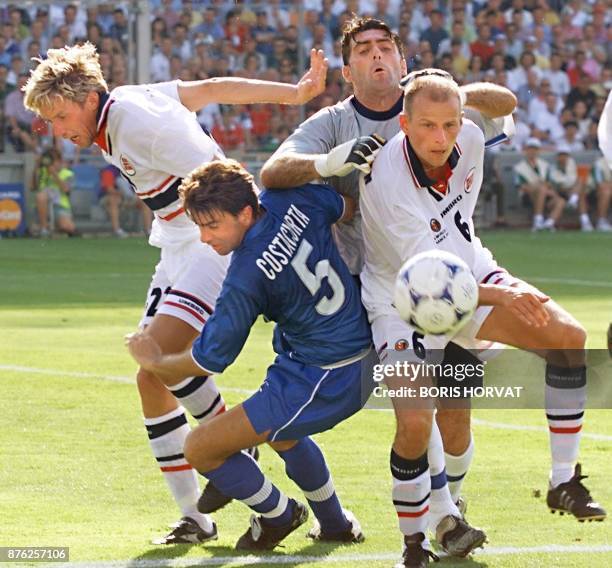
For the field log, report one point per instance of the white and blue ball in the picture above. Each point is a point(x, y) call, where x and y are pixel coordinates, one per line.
point(435, 292)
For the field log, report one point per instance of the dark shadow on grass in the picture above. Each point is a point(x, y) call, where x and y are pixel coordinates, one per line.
point(220, 555)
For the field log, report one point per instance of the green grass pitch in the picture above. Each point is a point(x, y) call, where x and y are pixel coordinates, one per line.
point(75, 468)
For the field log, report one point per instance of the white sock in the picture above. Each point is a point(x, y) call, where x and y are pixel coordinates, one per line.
point(167, 436)
point(457, 468)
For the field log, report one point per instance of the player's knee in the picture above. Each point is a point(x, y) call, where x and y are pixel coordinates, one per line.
point(413, 432)
point(148, 383)
point(573, 336)
point(197, 449)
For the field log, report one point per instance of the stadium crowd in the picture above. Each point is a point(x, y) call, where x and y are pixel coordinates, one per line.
point(555, 55)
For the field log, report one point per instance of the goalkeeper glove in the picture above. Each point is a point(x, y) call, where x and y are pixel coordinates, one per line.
point(358, 153)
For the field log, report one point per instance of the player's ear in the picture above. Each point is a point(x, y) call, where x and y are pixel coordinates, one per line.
point(346, 74)
point(92, 100)
point(403, 120)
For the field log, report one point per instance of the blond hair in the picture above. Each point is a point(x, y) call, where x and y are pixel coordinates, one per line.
point(438, 85)
point(69, 73)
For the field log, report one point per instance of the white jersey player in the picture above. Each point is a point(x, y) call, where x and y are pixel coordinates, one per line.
point(419, 196)
point(336, 144)
point(151, 134)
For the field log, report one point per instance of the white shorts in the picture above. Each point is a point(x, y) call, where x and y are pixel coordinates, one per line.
point(186, 284)
point(392, 334)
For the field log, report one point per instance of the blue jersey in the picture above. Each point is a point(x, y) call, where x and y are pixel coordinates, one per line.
point(289, 270)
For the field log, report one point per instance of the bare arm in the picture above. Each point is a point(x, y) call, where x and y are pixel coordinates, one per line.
point(350, 206)
point(171, 368)
point(491, 100)
point(527, 305)
point(234, 90)
point(289, 170)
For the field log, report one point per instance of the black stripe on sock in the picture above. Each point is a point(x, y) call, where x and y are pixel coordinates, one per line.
point(455, 477)
point(404, 469)
point(190, 388)
point(171, 458)
point(209, 409)
point(565, 416)
point(158, 430)
point(411, 503)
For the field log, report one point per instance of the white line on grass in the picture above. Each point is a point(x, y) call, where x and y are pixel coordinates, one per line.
point(130, 380)
point(570, 281)
point(83, 375)
point(298, 559)
point(503, 426)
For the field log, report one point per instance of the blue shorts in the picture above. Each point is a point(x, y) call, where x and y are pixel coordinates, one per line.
point(298, 400)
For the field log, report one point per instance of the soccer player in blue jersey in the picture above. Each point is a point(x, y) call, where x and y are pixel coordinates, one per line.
point(286, 267)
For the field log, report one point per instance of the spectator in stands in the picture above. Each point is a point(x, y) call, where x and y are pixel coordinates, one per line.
point(159, 31)
point(460, 63)
point(546, 125)
point(531, 180)
point(559, 81)
point(263, 34)
point(210, 28)
point(38, 34)
point(475, 70)
point(513, 41)
point(52, 185)
point(571, 138)
point(5, 88)
point(483, 46)
point(229, 133)
point(435, 33)
point(601, 183)
point(16, 69)
point(160, 62)
point(518, 77)
point(116, 193)
point(581, 115)
point(564, 180)
point(75, 25)
point(235, 30)
point(581, 92)
point(119, 28)
point(19, 119)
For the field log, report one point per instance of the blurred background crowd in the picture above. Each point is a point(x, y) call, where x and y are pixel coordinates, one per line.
point(555, 55)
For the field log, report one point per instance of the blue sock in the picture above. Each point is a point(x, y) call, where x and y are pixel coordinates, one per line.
point(305, 465)
point(240, 477)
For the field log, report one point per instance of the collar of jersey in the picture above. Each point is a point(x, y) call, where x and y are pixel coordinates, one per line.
point(421, 179)
point(259, 227)
point(101, 119)
point(380, 116)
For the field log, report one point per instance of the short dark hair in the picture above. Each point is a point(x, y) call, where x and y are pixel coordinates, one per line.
point(219, 186)
point(358, 24)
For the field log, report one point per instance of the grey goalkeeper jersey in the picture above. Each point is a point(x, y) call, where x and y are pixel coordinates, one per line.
point(324, 131)
point(334, 125)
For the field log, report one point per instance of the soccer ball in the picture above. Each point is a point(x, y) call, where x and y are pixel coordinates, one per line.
point(435, 292)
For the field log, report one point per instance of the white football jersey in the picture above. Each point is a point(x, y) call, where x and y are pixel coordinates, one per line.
point(604, 131)
point(155, 141)
point(404, 213)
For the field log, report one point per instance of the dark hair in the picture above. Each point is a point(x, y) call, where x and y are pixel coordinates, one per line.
point(222, 185)
point(358, 24)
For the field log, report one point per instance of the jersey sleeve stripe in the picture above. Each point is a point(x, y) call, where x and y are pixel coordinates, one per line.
point(158, 188)
point(165, 198)
point(496, 140)
point(172, 215)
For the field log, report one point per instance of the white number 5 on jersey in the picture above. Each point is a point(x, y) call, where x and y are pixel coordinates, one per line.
point(325, 306)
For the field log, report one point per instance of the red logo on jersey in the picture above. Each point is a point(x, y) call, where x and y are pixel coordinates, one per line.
point(401, 345)
point(469, 180)
point(127, 166)
point(435, 225)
